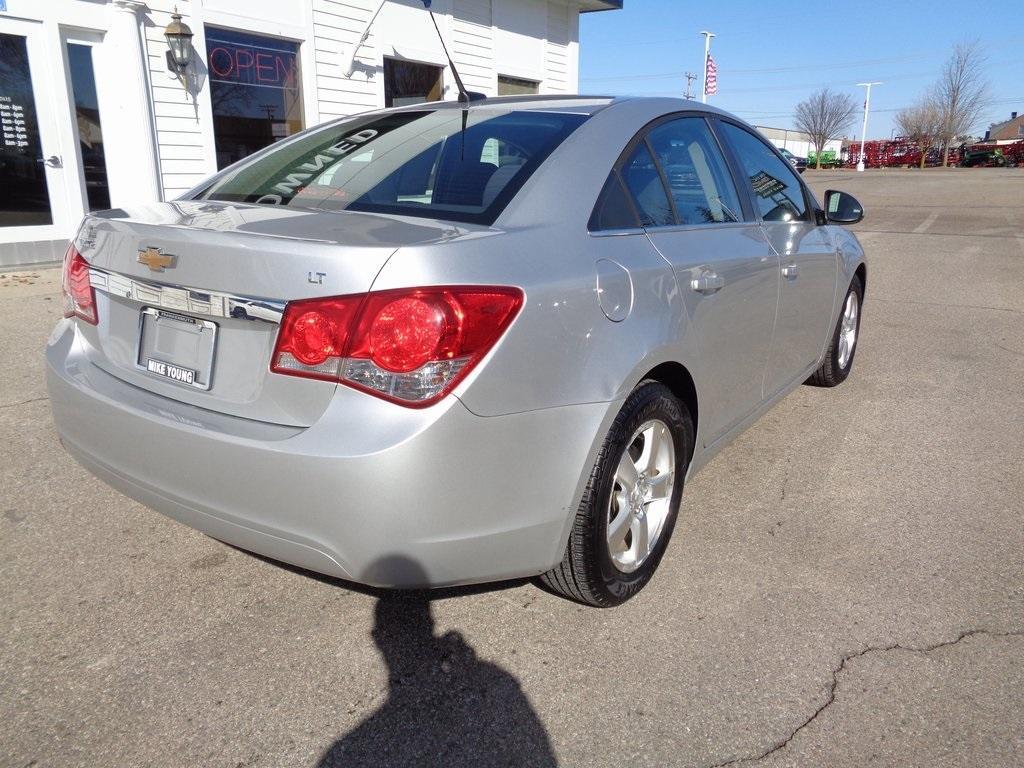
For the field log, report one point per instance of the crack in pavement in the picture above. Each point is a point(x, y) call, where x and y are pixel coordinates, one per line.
point(945, 304)
point(25, 402)
point(834, 686)
point(1010, 236)
point(785, 478)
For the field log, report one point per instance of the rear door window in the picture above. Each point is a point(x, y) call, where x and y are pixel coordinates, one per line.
point(773, 183)
point(459, 165)
point(698, 177)
point(675, 174)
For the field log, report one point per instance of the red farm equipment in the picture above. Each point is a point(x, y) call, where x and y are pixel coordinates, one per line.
point(1015, 154)
point(895, 153)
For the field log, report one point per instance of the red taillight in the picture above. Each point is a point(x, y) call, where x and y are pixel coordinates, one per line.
point(407, 333)
point(410, 346)
point(313, 335)
point(79, 296)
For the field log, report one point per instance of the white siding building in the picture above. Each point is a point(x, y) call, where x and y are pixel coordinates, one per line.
point(94, 116)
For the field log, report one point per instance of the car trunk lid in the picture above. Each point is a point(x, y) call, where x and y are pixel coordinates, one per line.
point(190, 293)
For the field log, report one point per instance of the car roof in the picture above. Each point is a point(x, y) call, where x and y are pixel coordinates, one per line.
point(546, 103)
point(583, 104)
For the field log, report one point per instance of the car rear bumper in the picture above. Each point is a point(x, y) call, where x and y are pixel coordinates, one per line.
point(372, 492)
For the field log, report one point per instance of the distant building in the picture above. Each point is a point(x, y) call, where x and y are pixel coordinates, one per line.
point(1008, 130)
point(797, 142)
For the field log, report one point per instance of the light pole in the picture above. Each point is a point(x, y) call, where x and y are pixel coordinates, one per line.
point(864, 131)
point(707, 50)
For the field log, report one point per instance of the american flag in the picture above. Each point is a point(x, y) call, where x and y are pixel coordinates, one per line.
point(711, 83)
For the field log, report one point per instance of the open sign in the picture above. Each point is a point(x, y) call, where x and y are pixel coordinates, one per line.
point(252, 65)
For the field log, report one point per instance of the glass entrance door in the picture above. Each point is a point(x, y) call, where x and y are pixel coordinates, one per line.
point(33, 196)
point(79, 49)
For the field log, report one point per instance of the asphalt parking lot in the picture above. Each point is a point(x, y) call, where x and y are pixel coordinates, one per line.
point(845, 586)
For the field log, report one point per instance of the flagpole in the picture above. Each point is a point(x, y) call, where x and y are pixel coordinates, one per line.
point(707, 50)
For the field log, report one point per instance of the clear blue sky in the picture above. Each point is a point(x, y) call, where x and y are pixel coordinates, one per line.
point(768, 60)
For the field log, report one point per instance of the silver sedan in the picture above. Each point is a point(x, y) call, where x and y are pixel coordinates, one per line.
point(452, 343)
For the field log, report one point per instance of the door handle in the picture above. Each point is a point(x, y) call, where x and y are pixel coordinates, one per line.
point(707, 283)
point(791, 271)
point(53, 161)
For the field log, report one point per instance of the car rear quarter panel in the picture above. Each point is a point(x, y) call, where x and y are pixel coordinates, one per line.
point(562, 349)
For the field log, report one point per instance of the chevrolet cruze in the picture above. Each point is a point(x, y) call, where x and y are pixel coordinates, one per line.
point(455, 343)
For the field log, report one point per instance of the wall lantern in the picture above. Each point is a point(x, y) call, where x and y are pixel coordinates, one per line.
point(179, 41)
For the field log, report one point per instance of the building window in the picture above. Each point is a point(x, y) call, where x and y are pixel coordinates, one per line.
point(516, 86)
point(87, 118)
point(408, 82)
point(255, 90)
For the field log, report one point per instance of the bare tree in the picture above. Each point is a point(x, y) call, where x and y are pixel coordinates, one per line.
point(922, 124)
point(961, 94)
point(824, 116)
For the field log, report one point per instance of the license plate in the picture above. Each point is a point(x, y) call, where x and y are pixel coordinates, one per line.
point(176, 347)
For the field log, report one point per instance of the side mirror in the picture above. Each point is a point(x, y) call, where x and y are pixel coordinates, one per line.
point(841, 208)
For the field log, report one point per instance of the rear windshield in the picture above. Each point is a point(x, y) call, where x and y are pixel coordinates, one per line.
point(460, 165)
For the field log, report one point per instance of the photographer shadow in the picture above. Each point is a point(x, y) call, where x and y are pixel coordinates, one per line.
point(445, 706)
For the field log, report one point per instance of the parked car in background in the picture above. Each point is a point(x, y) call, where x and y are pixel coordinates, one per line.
point(490, 339)
point(800, 163)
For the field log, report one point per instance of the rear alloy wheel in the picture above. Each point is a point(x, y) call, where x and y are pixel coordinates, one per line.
point(630, 504)
point(839, 357)
point(638, 505)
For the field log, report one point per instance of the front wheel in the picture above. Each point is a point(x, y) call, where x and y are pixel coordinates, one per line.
point(839, 357)
point(631, 501)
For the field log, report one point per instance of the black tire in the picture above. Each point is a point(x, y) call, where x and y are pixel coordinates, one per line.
point(830, 373)
point(587, 573)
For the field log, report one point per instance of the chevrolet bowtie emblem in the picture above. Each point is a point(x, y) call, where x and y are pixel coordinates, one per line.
point(155, 260)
